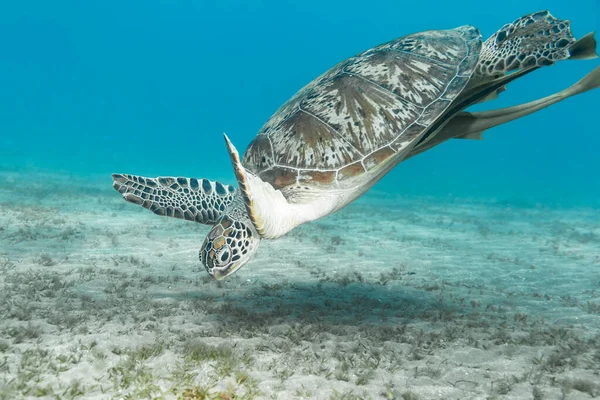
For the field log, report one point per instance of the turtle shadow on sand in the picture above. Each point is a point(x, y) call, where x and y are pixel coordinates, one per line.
point(359, 304)
point(360, 319)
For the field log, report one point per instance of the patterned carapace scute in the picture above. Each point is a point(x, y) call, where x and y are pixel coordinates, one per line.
point(548, 40)
point(365, 109)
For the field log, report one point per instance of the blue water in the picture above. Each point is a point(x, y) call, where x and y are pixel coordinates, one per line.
point(477, 277)
point(148, 87)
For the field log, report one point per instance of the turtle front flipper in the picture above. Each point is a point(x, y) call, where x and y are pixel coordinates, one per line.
point(192, 199)
point(535, 40)
point(269, 211)
point(531, 42)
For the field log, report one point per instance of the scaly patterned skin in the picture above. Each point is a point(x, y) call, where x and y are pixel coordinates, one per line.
point(192, 199)
point(230, 243)
point(535, 40)
point(232, 240)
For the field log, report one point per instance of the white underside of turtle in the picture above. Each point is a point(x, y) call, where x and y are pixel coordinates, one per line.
point(340, 134)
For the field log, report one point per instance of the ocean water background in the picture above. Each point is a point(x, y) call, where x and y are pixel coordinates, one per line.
point(471, 271)
point(148, 88)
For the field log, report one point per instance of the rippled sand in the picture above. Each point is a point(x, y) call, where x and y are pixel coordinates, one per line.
point(393, 298)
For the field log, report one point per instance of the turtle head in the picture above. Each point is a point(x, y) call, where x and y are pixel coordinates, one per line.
point(228, 246)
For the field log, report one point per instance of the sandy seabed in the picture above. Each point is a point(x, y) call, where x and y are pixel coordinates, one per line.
point(391, 298)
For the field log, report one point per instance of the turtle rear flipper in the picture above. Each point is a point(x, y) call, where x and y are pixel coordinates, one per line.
point(192, 199)
point(471, 125)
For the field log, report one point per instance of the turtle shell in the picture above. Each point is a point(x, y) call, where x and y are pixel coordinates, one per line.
point(364, 110)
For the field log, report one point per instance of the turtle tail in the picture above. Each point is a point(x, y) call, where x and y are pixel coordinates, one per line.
point(535, 40)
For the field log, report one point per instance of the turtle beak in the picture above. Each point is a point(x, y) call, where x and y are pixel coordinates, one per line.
point(221, 273)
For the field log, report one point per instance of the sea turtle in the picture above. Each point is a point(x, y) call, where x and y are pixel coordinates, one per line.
point(345, 130)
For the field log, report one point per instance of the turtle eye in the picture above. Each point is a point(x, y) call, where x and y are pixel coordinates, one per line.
point(224, 255)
